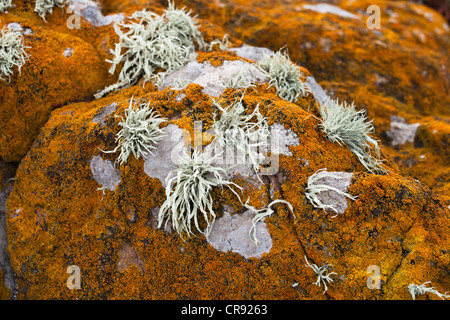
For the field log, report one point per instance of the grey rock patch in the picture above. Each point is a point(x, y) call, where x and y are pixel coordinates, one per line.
point(231, 233)
point(251, 52)
point(167, 156)
point(317, 91)
point(90, 10)
point(68, 52)
point(105, 173)
point(331, 197)
point(100, 117)
point(401, 132)
point(328, 8)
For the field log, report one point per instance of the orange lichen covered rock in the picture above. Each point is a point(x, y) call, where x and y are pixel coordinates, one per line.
point(65, 65)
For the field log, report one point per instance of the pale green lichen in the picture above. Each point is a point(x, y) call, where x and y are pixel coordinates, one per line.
point(314, 188)
point(416, 290)
point(188, 194)
point(43, 7)
point(5, 5)
point(321, 276)
point(12, 52)
point(151, 46)
point(140, 132)
point(284, 75)
point(236, 130)
point(344, 125)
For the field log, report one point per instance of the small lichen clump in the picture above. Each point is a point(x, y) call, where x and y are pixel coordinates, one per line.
point(152, 44)
point(284, 75)
point(321, 276)
point(12, 52)
point(42, 7)
point(140, 132)
point(344, 125)
point(5, 5)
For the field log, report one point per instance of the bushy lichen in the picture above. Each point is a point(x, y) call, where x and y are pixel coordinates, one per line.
point(344, 125)
point(188, 193)
point(12, 52)
point(416, 290)
point(140, 132)
point(284, 75)
point(5, 5)
point(150, 43)
point(236, 130)
point(42, 7)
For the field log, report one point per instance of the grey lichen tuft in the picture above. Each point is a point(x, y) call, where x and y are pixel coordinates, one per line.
point(321, 276)
point(313, 189)
point(140, 132)
point(12, 52)
point(236, 130)
point(5, 5)
point(43, 7)
point(188, 194)
point(344, 125)
point(149, 43)
point(416, 290)
point(284, 75)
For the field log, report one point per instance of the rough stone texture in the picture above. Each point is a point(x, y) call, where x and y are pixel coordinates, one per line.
point(90, 10)
point(328, 8)
point(231, 233)
point(105, 173)
point(401, 69)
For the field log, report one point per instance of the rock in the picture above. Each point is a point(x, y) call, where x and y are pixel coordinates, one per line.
point(231, 233)
point(401, 132)
point(63, 68)
point(8, 285)
point(402, 68)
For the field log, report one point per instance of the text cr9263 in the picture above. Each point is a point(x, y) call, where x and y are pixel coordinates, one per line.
point(246, 309)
